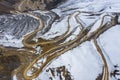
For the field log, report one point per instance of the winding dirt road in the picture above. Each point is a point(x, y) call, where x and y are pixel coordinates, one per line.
point(106, 73)
point(47, 56)
point(51, 49)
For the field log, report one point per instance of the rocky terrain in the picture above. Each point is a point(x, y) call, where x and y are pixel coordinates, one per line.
point(59, 40)
point(26, 5)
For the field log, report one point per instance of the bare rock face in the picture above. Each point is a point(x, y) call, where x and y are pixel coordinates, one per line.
point(61, 73)
point(7, 65)
point(6, 7)
point(25, 5)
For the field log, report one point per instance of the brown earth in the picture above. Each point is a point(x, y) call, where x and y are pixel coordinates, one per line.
point(25, 5)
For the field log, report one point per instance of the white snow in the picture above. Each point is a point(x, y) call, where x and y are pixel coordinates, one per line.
point(14, 77)
point(9, 41)
point(110, 42)
point(57, 29)
point(83, 62)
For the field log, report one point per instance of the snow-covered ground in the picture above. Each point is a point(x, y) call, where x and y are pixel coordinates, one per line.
point(83, 62)
point(110, 43)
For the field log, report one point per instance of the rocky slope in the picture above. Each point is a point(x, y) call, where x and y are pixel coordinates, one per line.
point(26, 5)
point(74, 40)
